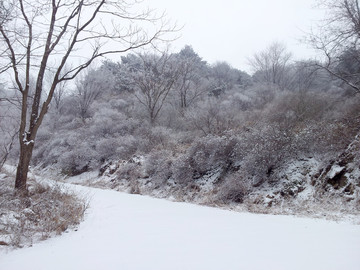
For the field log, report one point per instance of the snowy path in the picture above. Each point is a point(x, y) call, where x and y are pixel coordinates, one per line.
point(123, 231)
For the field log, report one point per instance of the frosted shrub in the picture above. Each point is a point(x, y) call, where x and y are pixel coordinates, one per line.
point(210, 152)
point(158, 166)
point(109, 122)
point(239, 101)
point(119, 104)
point(212, 116)
point(182, 171)
point(150, 138)
point(46, 211)
point(204, 155)
point(292, 126)
point(106, 148)
point(234, 188)
point(315, 122)
point(160, 136)
point(261, 95)
point(168, 139)
point(262, 150)
point(114, 148)
point(128, 171)
point(128, 146)
point(48, 153)
point(75, 123)
point(78, 146)
point(80, 159)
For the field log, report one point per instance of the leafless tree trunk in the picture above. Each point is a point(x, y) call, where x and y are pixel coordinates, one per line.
point(36, 37)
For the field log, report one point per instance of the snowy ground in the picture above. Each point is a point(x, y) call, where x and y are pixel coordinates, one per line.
point(123, 231)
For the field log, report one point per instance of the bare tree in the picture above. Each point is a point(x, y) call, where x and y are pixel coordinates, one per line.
point(153, 82)
point(90, 86)
point(337, 38)
point(38, 36)
point(271, 65)
point(190, 84)
point(303, 75)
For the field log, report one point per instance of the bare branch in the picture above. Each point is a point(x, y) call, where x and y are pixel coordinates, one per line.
point(336, 38)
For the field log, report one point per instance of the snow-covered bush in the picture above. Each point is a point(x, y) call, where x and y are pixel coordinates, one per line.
point(260, 150)
point(46, 211)
point(129, 171)
point(77, 145)
point(234, 188)
point(158, 166)
point(182, 171)
point(107, 148)
point(204, 155)
point(114, 148)
point(209, 153)
point(108, 122)
point(80, 158)
point(261, 95)
point(48, 152)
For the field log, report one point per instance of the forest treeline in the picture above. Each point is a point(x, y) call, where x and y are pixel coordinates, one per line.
point(188, 120)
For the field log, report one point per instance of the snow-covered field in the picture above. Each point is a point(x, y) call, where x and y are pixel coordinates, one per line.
point(123, 231)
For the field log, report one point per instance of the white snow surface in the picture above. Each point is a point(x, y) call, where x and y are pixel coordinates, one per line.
point(123, 231)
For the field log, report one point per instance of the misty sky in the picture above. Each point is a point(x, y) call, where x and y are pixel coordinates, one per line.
point(232, 30)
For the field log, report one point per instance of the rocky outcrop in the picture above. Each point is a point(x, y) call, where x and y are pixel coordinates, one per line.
point(342, 175)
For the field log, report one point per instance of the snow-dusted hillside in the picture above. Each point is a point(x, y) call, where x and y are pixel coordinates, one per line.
point(123, 231)
point(306, 187)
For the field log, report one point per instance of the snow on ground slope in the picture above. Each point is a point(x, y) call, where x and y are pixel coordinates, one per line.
point(123, 231)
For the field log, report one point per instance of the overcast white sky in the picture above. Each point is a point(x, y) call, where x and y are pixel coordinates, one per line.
point(232, 30)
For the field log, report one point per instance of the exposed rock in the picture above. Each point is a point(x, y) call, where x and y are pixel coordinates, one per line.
point(341, 173)
point(109, 168)
point(350, 189)
point(338, 179)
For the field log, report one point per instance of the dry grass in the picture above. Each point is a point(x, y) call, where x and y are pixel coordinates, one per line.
point(47, 210)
